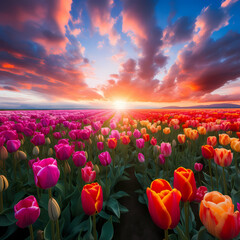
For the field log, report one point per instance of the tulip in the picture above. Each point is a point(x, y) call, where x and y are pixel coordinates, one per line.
point(163, 205)
point(13, 145)
point(115, 134)
point(143, 131)
point(166, 149)
point(202, 130)
point(223, 157)
point(79, 158)
point(26, 211)
point(166, 130)
point(35, 151)
point(112, 143)
point(105, 131)
point(63, 151)
point(238, 206)
point(161, 159)
point(212, 140)
point(88, 175)
point(125, 140)
point(181, 138)
point(218, 216)
point(198, 167)
point(238, 134)
point(92, 198)
point(57, 135)
point(100, 146)
point(3, 187)
point(235, 145)
point(2, 141)
point(146, 137)
point(207, 151)
point(193, 135)
point(224, 139)
point(140, 143)
point(38, 139)
point(201, 191)
point(141, 158)
point(105, 158)
point(153, 141)
point(53, 209)
point(46, 173)
point(137, 133)
point(113, 125)
point(184, 181)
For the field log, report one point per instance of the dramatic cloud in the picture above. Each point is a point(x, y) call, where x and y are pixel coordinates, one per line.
point(227, 3)
point(100, 15)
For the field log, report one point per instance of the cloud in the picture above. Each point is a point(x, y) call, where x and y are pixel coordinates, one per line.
point(227, 3)
point(205, 64)
point(100, 16)
point(119, 56)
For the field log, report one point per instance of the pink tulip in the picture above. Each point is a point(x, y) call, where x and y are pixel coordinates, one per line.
point(88, 175)
point(57, 135)
point(153, 141)
point(105, 131)
point(46, 173)
point(79, 158)
point(161, 159)
point(198, 167)
point(13, 145)
point(141, 158)
point(85, 134)
point(129, 133)
point(63, 141)
point(63, 151)
point(137, 133)
point(28, 132)
point(105, 158)
point(113, 125)
point(201, 191)
point(38, 139)
point(115, 134)
point(32, 161)
point(2, 141)
point(100, 146)
point(26, 212)
point(9, 135)
point(166, 149)
point(140, 143)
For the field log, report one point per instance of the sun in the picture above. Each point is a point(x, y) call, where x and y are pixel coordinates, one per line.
point(119, 104)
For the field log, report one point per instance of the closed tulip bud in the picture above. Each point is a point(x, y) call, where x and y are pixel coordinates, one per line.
point(224, 139)
point(141, 158)
point(67, 167)
point(3, 153)
point(198, 167)
point(159, 128)
point(218, 216)
point(181, 138)
point(40, 235)
point(96, 169)
point(100, 138)
point(48, 141)
point(166, 130)
point(53, 209)
point(35, 151)
point(174, 143)
point(50, 152)
point(3, 183)
point(22, 155)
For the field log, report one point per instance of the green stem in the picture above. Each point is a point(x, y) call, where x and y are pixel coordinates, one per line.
point(186, 210)
point(166, 234)
point(65, 179)
point(157, 169)
point(199, 179)
point(1, 201)
point(236, 162)
point(14, 167)
point(49, 193)
point(224, 181)
point(31, 232)
point(217, 176)
point(210, 171)
point(94, 227)
point(58, 231)
point(38, 192)
point(52, 230)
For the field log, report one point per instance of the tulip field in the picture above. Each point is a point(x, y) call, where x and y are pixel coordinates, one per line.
point(62, 173)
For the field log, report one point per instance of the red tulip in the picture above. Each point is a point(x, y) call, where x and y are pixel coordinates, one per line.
point(207, 151)
point(112, 143)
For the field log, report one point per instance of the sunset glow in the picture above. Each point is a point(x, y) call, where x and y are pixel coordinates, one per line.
point(78, 54)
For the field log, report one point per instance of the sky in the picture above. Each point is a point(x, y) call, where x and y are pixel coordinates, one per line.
point(113, 53)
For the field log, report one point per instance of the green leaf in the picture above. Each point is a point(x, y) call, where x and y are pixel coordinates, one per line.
point(47, 231)
point(106, 216)
point(119, 194)
point(107, 230)
point(114, 206)
point(203, 234)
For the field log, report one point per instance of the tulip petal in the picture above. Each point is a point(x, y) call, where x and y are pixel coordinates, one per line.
point(159, 185)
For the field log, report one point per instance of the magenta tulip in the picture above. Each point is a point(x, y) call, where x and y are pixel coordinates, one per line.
point(198, 167)
point(38, 139)
point(100, 146)
point(162, 159)
point(88, 175)
point(141, 158)
point(105, 158)
point(26, 211)
point(63, 151)
point(46, 173)
point(79, 158)
point(140, 143)
point(137, 133)
point(13, 145)
point(166, 149)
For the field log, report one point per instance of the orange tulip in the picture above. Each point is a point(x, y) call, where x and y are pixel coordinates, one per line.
point(125, 139)
point(223, 157)
point(187, 131)
point(181, 138)
point(92, 198)
point(235, 145)
point(193, 134)
point(212, 140)
point(166, 130)
point(163, 204)
point(218, 216)
point(112, 143)
point(224, 139)
point(143, 130)
point(202, 130)
point(146, 137)
point(207, 151)
point(184, 181)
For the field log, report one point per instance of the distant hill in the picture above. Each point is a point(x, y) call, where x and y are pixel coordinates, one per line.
point(219, 105)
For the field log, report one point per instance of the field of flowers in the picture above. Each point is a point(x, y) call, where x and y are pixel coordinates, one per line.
point(60, 172)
